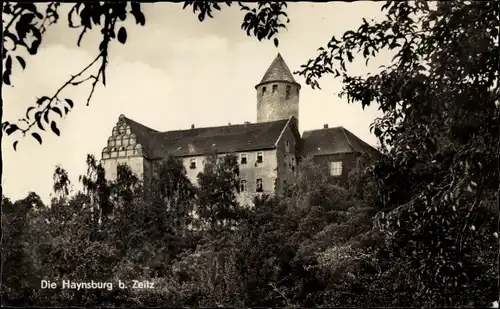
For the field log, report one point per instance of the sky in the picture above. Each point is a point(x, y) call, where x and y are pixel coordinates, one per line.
point(173, 72)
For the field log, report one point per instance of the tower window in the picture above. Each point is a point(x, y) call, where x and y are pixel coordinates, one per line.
point(287, 146)
point(193, 164)
point(243, 185)
point(260, 157)
point(336, 168)
point(263, 90)
point(287, 94)
point(275, 88)
point(259, 187)
point(243, 158)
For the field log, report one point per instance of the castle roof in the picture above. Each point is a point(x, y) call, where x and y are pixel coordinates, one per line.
point(202, 141)
point(334, 141)
point(278, 71)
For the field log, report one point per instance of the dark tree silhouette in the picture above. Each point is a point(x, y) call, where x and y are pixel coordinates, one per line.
point(437, 184)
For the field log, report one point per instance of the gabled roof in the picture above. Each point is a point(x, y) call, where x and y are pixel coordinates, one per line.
point(334, 141)
point(278, 71)
point(141, 132)
point(202, 141)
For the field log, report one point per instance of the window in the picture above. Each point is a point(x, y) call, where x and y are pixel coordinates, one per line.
point(263, 90)
point(293, 164)
point(243, 185)
point(193, 164)
point(287, 94)
point(275, 88)
point(336, 168)
point(259, 187)
point(243, 158)
point(287, 146)
point(260, 157)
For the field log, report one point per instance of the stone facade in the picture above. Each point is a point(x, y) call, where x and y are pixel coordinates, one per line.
point(277, 93)
point(268, 152)
point(122, 149)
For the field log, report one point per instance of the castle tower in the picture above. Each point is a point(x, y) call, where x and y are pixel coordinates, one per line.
point(277, 93)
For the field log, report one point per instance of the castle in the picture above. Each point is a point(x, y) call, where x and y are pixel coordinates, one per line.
point(267, 151)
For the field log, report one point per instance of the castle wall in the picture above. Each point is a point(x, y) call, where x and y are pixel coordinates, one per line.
point(122, 148)
point(275, 102)
point(136, 164)
point(287, 156)
point(251, 171)
point(349, 162)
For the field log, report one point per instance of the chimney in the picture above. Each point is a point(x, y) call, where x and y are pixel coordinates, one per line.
point(247, 122)
point(192, 126)
point(228, 123)
point(325, 126)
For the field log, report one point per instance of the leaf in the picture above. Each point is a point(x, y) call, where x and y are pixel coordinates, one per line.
point(37, 137)
point(42, 99)
point(15, 145)
point(57, 110)
point(6, 77)
point(276, 42)
point(39, 123)
point(122, 35)
point(139, 18)
point(38, 116)
point(11, 129)
point(21, 62)
point(46, 116)
point(70, 102)
point(8, 63)
point(54, 128)
point(28, 111)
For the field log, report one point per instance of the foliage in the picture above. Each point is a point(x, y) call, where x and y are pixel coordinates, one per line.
point(17, 264)
point(436, 185)
point(417, 228)
point(217, 205)
point(26, 23)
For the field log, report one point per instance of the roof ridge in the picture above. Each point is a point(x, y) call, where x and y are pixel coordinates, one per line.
point(348, 140)
point(224, 126)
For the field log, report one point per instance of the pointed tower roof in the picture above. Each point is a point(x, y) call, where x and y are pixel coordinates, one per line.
point(278, 71)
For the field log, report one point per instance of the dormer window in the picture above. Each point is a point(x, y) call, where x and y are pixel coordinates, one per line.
point(260, 157)
point(263, 90)
point(275, 88)
point(243, 158)
point(287, 93)
point(192, 165)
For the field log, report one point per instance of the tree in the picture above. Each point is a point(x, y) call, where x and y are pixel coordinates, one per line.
point(217, 205)
point(26, 23)
point(18, 263)
point(173, 190)
point(437, 181)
